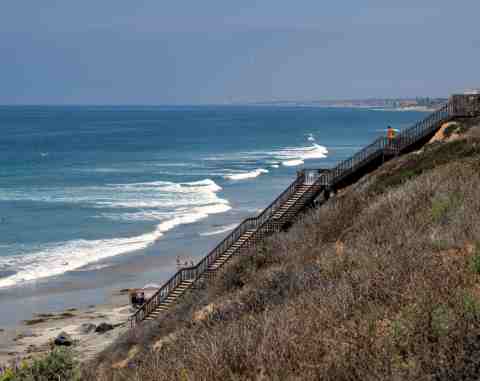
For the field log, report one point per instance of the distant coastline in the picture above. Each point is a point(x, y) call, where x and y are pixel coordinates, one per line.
point(419, 104)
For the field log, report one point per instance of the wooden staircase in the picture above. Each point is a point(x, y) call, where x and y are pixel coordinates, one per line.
point(300, 195)
point(171, 298)
point(241, 243)
point(293, 205)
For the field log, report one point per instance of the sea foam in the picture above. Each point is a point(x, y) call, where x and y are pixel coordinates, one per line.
point(296, 156)
point(191, 202)
point(246, 175)
point(292, 163)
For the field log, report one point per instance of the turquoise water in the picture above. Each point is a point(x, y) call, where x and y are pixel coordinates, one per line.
point(93, 199)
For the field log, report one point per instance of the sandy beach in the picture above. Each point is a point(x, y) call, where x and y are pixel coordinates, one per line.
point(75, 231)
point(35, 336)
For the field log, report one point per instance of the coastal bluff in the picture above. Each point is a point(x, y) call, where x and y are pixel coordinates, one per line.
point(380, 281)
point(366, 269)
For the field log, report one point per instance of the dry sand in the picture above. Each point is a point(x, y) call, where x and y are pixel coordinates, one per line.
point(35, 336)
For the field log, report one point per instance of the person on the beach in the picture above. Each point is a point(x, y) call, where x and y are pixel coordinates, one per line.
point(133, 297)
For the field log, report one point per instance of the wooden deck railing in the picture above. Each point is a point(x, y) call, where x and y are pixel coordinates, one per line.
point(380, 146)
point(316, 179)
point(194, 272)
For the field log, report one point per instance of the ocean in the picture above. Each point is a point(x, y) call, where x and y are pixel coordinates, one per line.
point(96, 199)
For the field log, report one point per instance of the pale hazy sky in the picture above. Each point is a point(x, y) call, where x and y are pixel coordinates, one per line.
point(214, 51)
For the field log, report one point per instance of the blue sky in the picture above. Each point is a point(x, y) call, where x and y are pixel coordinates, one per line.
point(216, 51)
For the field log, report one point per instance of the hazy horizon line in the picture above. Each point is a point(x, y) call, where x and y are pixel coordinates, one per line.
point(232, 103)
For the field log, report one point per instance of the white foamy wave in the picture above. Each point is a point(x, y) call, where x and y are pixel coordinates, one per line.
point(296, 156)
point(274, 166)
point(310, 138)
point(152, 285)
point(157, 194)
point(246, 175)
point(292, 163)
point(166, 186)
point(220, 230)
point(166, 204)
point(56, 259)
point(315, 151)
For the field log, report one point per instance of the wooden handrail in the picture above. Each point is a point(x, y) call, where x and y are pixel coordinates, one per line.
point(194, 272)
point(404, 139)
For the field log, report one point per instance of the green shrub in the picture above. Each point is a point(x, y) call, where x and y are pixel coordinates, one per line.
point(398, 329)
point(471, 306)
point(475, 261)
point(7, 375)
point(441, 320)
point(58, 365)
point(415, 164)
point(441, 244)
point(440, 209)
point(442, 206)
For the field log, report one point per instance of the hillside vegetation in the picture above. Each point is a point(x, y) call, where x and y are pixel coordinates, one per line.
point(382, 282)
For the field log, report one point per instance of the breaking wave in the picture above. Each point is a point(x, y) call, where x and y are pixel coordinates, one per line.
point(297, 156)
point(192, 202)
point(246, 175)
point(292, 163)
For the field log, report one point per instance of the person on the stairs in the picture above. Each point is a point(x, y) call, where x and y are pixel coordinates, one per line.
point(390, 134)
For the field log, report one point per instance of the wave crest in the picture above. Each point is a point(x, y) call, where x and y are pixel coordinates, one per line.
point(297, 156)
point(246, 175)
point(167, 204)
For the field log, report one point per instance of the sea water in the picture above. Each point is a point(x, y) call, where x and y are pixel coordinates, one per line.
point(96, 198)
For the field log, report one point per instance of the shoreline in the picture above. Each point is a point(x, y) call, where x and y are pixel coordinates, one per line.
point(152, 265)
point(34, 337)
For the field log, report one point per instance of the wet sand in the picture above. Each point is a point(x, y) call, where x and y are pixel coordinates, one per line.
point(35, 336)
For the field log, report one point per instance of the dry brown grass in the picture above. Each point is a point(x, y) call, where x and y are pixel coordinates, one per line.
point(375, 285)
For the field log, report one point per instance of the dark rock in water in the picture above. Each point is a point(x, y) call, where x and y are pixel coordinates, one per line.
point(87, 328)
point(103, 327)
point(64, 339)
